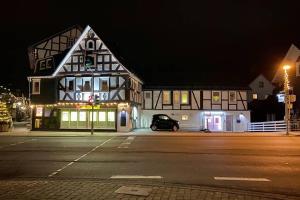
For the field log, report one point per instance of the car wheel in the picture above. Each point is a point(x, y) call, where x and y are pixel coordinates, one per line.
point(175, 128)
point(153, 127)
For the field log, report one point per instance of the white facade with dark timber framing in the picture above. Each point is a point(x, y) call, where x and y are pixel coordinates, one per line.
point(67, 78)
point(213, 109)
point(74, 67)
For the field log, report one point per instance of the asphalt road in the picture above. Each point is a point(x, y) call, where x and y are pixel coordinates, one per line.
point(267, 164)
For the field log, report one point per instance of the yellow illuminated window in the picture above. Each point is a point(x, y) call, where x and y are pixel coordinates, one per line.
point(166, 97)
point(111, 116)
point(184, 117)
point(65, 116)
point(94, 117)
point(102, 117)
point(73, 116)
point(254, 96)
point(82, 116)
point(216, 96)
point(184, 97)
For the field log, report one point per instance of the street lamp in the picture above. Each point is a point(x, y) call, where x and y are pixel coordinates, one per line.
point(92, 98)
point(286, 97)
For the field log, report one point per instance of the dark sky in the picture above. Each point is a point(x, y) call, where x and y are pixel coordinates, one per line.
point(164, 42)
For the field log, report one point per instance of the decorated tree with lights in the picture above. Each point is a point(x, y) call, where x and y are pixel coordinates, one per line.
point(5, 118)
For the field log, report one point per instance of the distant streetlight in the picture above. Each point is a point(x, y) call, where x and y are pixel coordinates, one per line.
point(286, 97)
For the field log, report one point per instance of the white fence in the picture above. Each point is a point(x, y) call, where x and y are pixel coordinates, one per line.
point(270, 126)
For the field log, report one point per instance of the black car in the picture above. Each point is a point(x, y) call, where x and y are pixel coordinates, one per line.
point(162, 121)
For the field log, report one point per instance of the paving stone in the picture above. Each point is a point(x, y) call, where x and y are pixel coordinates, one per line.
point(105, 189)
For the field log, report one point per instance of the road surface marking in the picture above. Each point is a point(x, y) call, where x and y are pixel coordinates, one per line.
point(240, 179)
point(134, 177)
point(126, 142)
point(80, 157)
point(16, 143)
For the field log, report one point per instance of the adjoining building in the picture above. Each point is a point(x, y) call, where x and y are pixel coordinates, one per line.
point(198, 108)
point(291, 58)
point(261, 88)
point(74, 68)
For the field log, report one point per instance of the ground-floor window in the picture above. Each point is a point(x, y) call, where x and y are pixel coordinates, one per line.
point(82, 119)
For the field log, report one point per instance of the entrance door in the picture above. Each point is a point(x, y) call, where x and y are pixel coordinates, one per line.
point(229, 121)
point(213, 122)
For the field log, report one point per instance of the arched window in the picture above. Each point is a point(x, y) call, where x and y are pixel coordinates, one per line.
point(90, 45)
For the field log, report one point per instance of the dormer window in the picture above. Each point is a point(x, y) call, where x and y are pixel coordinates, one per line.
point(90, 45)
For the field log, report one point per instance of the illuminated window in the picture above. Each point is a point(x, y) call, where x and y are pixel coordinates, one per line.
point(39, 111)
point(254, 96)
point(102, 116)
point(94, 116)
point(166, 97)
point(111, 116)
point(216, 96)
point(36, 86)
point(65, 116)
point(82, 116)
point(73, 116)
point(184, 117)
point(184, 97)
point(232, 97)
point(176, 97)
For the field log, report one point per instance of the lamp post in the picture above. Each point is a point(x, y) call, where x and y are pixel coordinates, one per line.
point(286, 97)
point(92, 98)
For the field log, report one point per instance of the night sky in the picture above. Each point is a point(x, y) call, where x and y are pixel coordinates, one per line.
point(164, 42)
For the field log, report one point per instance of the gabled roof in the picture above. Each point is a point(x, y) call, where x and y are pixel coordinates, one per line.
point(76, 47)
point(263, 78)
point(46, 48)
point(290, 58)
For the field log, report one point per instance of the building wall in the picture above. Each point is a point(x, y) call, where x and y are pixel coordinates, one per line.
point(262, 91)
point(196, 119)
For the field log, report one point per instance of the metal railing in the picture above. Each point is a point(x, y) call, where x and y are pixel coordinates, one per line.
point(270, 126)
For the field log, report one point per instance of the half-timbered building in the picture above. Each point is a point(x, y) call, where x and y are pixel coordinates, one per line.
point(198, 108)
point(77, 82)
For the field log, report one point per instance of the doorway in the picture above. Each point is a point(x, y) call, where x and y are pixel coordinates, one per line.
point(213, 122)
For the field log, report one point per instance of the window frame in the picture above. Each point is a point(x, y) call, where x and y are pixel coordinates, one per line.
point(34, 81)
point(261, 84)
point(188, 97)
point(170, 97)
point(219, 101)
point(229, 98)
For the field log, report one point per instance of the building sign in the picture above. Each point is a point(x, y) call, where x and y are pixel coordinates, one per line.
point(39, 111)
point(280, 98)
point(84, 96)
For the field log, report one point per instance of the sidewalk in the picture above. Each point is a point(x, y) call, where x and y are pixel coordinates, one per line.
point(23, 131)
point(106, 189)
